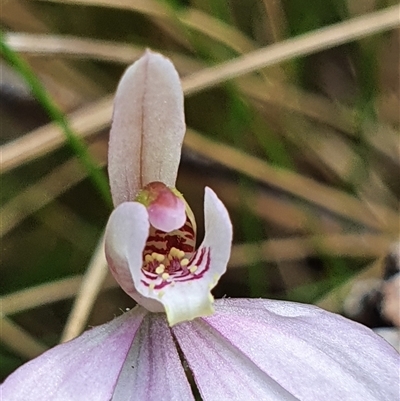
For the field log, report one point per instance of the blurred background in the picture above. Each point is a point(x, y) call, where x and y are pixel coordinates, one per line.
point(295, 127)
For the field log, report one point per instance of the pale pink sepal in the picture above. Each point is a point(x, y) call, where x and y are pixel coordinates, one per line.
point(186, 300)
point(86, 368)
point(153, 370)
point(147, 128)
point(125, 238)
point(297, 351)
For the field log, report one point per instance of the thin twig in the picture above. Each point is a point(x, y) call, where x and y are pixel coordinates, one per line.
point(90, 288)
point(291, 182)
point(21, 150)
point(85, 121)
point(317, 40)
point(333, 300)
point(56, 114)
point(36, 45)
point(19, 340)
point(44, 294)
point(189, 17)
point(43, 192)
point(299, 248)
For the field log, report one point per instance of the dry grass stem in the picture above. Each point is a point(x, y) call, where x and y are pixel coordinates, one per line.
point(333, 300)
point(35, 44)
point(46, 190)
point(73, 87)
point(90, 288)
point(273, 208)
point(303, 45)
point(65, 223)
point(289, 97)
point(300, 186)
point(76, 47)
point(336, 153)
point(298, 248)
point(20, 341)
point(40, 295)
point(270, 91)
point(190, 18)
point(97, 115)
point(216, 29)
point(85, 121)
point(276, 18)
point(386, 140)
point(44, 294)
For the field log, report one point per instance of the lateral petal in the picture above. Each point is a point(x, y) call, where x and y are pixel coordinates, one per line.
point(220, 371)
point(152, 370)
point(86, 368)
point(311, 353)
point(125, 238)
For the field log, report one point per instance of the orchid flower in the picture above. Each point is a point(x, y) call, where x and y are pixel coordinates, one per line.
point(249, 350)
point(151, 235)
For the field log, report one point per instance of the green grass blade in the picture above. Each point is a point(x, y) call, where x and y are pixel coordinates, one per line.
point(39, 92)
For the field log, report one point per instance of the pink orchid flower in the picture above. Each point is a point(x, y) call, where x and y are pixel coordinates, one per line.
point(251, 350)
point(151, 235)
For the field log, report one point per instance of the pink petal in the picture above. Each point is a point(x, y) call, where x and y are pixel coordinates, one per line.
point(274, 345)
point(152, 370)
point(218, 234)
point(86, 368)
point(220, 371)
point(125, 238)
point(147, 129)
point(190, 297)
